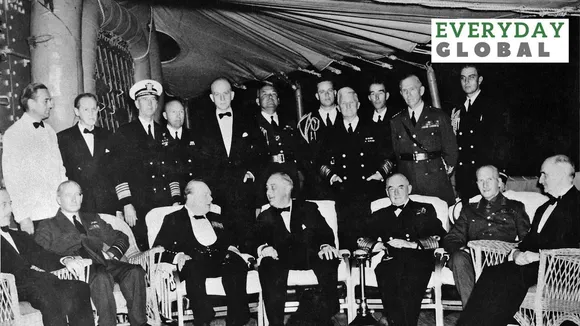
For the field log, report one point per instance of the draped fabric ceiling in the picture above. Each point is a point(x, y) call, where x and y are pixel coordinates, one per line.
point(252, 39)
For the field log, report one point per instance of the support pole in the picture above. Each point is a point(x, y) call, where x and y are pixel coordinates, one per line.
point(299, 103)
point(433, 90)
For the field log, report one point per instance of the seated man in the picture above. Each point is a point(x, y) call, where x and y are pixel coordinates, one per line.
point(199, 243)
point(409, 232)
point(27, 261)
point(71, 232)
point(494, 217)
point(293, 235)
point(501, 289)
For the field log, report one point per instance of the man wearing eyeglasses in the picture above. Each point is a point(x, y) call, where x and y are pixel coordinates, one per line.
point(142, 178)
point(479, 125)
point(85, 152)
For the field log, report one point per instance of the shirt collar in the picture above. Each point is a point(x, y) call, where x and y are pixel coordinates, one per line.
point(333, 113)
point(473, 96)
point(70, 215)
point(82, 127)
point(28, 118)
point(565, 191)
point(173, 130)
point(418, 110)
point(268, 116)
point(190, 213)
point(382, 114)
point(217, 112)
point(353, 123)
point(145, 124)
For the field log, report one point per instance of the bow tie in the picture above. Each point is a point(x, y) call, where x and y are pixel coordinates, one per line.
point(281, 210)
point(221, 115)
point(5, 228)
point(553, 200)
point(198, 217)
point(38, 124)
point(399, 207)
point(87, 131)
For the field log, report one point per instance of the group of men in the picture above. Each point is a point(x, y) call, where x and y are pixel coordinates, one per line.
point(244, 162)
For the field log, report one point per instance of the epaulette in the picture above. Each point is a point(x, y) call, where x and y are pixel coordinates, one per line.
point(396, 114)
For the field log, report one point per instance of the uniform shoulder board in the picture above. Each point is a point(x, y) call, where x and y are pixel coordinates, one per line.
point(396, 114)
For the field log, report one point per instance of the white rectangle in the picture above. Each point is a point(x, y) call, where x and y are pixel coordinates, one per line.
point(499, 40)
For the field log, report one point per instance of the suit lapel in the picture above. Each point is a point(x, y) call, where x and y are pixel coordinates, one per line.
point(81, 144)
point(217, 134)
point(295, 219)
point(65, 224)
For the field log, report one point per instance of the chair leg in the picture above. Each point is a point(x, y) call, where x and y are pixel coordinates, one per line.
point(261, 312)
point(351, 300)
point(180, 310)
point(439, 320)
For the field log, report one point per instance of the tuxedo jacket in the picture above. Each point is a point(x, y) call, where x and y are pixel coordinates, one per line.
point(59, 235)
point(561, 230)
point(416, 221)
point(220, 170)
point(308, 231)
point(176, 235)
point(29, 253)
point(91, 172)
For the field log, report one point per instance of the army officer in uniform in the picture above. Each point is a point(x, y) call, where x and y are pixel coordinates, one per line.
point(424, 143)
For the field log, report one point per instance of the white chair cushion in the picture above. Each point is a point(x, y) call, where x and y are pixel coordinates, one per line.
point(120, 225)
point(307, 277)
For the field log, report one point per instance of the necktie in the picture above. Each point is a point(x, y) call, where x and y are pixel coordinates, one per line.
point(349, 128)
point(379, 119)
point(87, 131)
point(38, 124)
point(5, 228)
point(198, 217)
point(413, 120)
point(468, 105)
point(227, 114)
point(176, 135)
point(273, 122)
point(328, 121)
point(149, 133)
point(79, 226)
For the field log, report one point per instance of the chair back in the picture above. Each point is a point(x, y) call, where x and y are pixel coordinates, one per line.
point(531, 201)
point(154, 219)
point(328, 211)
point(120, 225)
point(440, 206)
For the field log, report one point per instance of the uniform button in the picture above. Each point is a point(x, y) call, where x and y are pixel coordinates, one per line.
point(162, 162)
point(459, 148)
point(362, 154)
point(489, 217)
point(279, 144)
point(154, 189)
point(362, 177)
point(460, 133)
point(460, 163)
point(472, 162)
point(164, 188)
point(472, 220)
point(163, 175)
point(362, 165)
point(343, 155)
point(189, 161)
point(416, 152)
point(152, 177)
point(400, 137)
point(471, 131)
point(488, 224)
point(415, 145)
point(414, 136)
point(150, 163)
point(175, 162)
point(471, 146)
point(344, 177)
point(344, 166)
point(432, 133)
point(190, 174)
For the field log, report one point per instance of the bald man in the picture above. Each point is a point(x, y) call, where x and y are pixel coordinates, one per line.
point(199, 242)
point(354, 165)
point(424, 143)
point(501, 289)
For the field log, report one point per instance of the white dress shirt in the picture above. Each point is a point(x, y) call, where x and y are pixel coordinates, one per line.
point(88, 137)
point(331, 113)
point(473, 97)
point(202, 229)
point(418, 110)
point(377, 115)
point(549, 210)
point(32, 168)
point(173, 131)
point(226, 127)
point(146, 125)
point(268, 117)
point(353, 123)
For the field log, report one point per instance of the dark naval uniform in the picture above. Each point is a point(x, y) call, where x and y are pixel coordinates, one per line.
point(185, 160)
point(353, 157)
point(481, 140)
point(281, 152)
point(425, 150)
point(143, 173)
point(498, 219)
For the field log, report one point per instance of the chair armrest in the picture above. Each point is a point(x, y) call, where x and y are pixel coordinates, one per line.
point(65, 274)
point(9, 307)
point(559, 277)
point(488, 253)
point(344, 254)
point(164, 280)
point(147, 260)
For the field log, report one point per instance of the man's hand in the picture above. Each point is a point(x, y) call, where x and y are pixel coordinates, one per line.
point(269, 251)
point(400, 243)
point(525, 257)
point(377, 176)
point(27, 226)
point(180, 260)
point(328, 252)
point(176, 204)
point(249, 176)
point(74, 265)
point(380, 246)
point(130, 215)
point(335, 178)
point(455, 119)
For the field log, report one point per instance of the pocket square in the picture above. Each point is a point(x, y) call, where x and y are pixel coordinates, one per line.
point(245, 134)
point(192, 143)
point(303, 226)
point(107, 150)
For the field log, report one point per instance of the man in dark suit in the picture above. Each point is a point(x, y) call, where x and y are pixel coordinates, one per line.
point(228, 142)
point(381, 115)
point(199, 242)
point(293, 235)
point(30, 264)
point(183, 148)
point(142, 166)
point(281, 150)
point(315, 127)
point(424, 143)
point(494, 217)
point(76, 233)
point(479, 123)
point(85, 155)
point(354, 164)
point(410, 231)
point(501, 289)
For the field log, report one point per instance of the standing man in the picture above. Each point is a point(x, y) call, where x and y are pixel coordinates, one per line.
point(200, 243)
point(85, 153)
point(74, 233)
point(141, 162)
point(479, 123)
point(292, 234)
point(57, 300)
point(494, 217)
point(381, 116)
point(281, 150)
point(355, 166)
point(315, 127)
point(424, 143)
point(183, 148)
point(410, 232)
point(227, 141)
point(31, 161)
point(501, 289)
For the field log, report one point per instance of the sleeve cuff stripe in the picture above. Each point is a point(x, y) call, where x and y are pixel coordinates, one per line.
point(123, 190)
